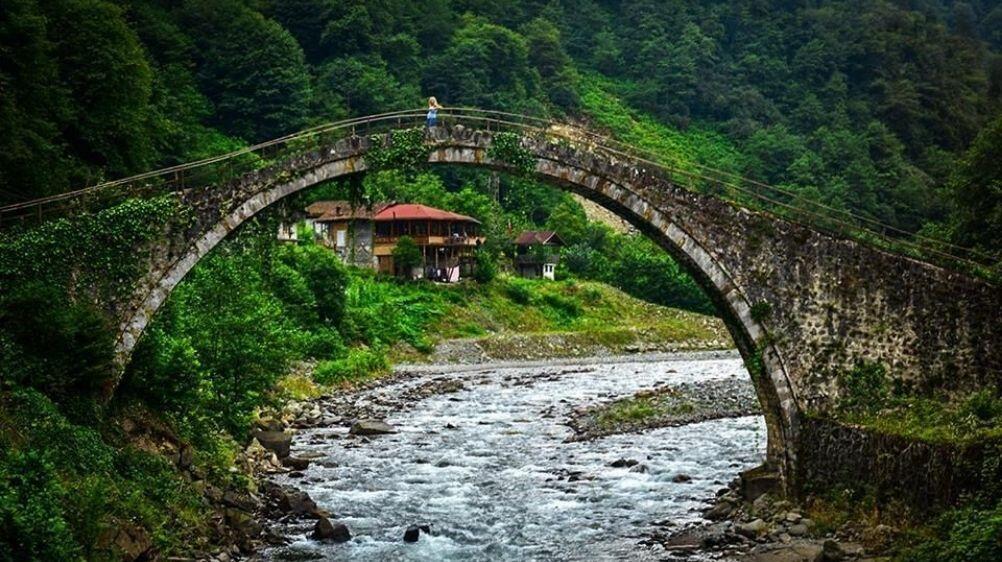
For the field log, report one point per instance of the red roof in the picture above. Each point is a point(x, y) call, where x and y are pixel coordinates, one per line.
point(412, 211)
point(542, 237)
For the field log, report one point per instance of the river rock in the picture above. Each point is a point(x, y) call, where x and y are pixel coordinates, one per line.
point(130, 542)
point(681, 478)
point(412, 533)
point(753, 529)
point(719, 511)
point(371, 427)
point(639, 468)
point(624, 463)
point(793, 552)
point(325, 530)
point(797, 530)
point(241, 501)
point(278, 442)
point(831, 551)
point(242, 522)
point(296, 463)
point(290, 500)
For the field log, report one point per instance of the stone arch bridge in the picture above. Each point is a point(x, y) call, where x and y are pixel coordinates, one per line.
point(803, 305)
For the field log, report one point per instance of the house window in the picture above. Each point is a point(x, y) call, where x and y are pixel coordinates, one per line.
point(342, 238)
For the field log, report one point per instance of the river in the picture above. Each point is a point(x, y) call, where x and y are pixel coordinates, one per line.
point(489, 469)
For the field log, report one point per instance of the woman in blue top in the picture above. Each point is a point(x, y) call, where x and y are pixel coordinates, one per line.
point(433, 108)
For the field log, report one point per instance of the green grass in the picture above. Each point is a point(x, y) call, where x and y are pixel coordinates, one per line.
point(638, 409)
point(681, 149)
point(974, 418)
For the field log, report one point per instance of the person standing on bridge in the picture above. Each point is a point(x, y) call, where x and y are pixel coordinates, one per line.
point(433, 108)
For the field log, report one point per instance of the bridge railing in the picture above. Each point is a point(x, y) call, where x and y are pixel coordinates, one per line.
point(691, 175)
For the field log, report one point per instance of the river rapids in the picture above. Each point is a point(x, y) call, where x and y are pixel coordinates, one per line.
point(489, 468)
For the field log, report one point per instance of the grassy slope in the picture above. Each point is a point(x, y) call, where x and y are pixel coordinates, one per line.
point(697, 144)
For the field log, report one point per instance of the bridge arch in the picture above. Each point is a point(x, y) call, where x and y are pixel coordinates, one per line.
point(634, 193)
point(803, 304)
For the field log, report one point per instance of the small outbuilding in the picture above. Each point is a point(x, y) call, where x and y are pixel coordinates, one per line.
point(537, 253)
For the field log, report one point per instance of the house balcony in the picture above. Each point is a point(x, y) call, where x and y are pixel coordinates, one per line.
point(529, 259)
point(432, 240)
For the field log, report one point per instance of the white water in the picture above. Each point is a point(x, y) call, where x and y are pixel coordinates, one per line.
point(491, 488)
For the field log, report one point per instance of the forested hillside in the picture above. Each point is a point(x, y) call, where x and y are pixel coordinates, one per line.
point(866, 105)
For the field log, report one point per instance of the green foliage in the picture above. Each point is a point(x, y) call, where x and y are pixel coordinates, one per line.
point(507, 147)
point(402, 149)
point(358, 364)
point(229, 331)
point(381, 313)
point(864, 387)
point(62, 483)
point(967, 533)
point(760, 311)
point(61, 349)
point(977, 188)
point(324, 276)
point(485, 65)
point(93, 254)
point(250, 67)
point(518, 291)
point(407, 256)
point(486, 266)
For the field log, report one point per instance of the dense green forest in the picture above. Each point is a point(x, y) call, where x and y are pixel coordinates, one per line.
point(867, 106)
point(890, 109)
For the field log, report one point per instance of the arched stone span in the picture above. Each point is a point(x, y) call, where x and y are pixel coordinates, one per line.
point(822, 304)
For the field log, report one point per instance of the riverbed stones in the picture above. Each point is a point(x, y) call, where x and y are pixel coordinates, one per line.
point(753, 529)
point(296, 463)
point(624, 463)
point(681, 478)
point(130, 542)
point(279, 442)
point(371, 427)
point(793, 552)
point(330, 531)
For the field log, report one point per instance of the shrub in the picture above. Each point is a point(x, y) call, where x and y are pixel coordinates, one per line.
point(324, 277)
point(864, 388)
point(962, 534)
point(359, 363)
point(407, 256)
point(59, 347)
point(518, 292)
point(486, 269)
point(760, 311)
point(565, 307)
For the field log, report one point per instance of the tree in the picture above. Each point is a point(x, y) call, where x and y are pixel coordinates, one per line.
point(251, 69)
point(977, 192)
point(568, 219)
point(547, 55)
point(485, 65)
point(486, 268)
point(407, 256)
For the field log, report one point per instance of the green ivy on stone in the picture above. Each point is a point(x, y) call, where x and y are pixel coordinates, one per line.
point(97, 254)
point(403, 150)
point(507, 147)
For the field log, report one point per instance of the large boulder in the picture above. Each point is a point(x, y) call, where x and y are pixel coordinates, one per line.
point(130, 542)
point(278, 442)
point(326, 530)
point(296, 463)
point(371, 427)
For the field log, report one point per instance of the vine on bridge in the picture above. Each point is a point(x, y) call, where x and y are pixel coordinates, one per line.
point(402, 149)
point(507, 147)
